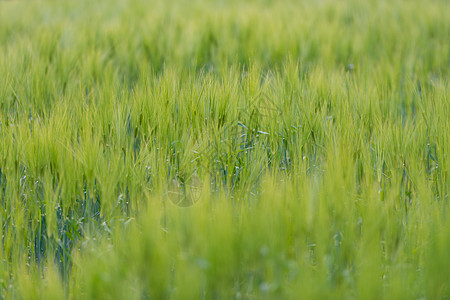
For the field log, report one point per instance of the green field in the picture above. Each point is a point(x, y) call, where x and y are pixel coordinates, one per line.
point(224, 149)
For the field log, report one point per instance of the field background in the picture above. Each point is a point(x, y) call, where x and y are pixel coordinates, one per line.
point(224, 149)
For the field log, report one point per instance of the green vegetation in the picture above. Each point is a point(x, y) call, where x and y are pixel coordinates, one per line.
point(224, 149)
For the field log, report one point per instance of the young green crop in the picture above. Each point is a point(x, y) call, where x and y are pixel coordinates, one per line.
point(224, 149)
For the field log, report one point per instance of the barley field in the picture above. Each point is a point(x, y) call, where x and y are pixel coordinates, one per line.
point(224, 149)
